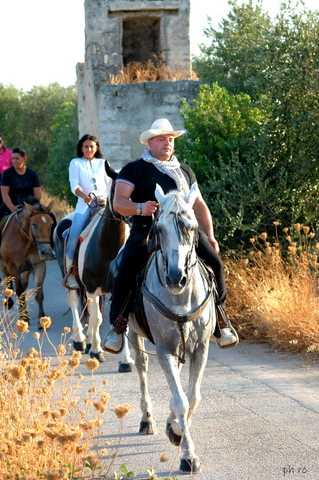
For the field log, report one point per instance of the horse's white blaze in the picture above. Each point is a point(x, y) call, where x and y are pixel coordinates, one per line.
point(44, 220)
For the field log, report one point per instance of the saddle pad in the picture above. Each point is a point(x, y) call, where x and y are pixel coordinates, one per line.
point(92, 224)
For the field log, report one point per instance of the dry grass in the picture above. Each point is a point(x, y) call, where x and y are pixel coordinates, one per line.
point(273, 295)
point(150, 71)
point(60, 207)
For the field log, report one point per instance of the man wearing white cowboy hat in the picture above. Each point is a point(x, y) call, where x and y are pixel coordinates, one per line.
point(134, 197)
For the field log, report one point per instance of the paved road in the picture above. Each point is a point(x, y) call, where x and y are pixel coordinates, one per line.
point(258, 419)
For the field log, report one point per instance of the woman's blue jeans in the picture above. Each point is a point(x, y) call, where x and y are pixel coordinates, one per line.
point(79, 222)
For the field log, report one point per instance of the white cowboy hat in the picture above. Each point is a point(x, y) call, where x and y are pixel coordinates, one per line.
point(160, 127)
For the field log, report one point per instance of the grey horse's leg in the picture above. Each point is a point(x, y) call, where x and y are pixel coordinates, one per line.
point(147, 425)
point(177, 428)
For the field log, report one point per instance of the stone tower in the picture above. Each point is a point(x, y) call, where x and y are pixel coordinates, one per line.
point(118, 32)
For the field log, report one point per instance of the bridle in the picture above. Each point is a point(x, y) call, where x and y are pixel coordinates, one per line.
point(183, 233)
point(33, 240)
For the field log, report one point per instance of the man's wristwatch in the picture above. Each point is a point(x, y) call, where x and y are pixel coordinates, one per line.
point(139, 209)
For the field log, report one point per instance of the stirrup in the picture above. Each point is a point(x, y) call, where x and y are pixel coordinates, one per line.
point(222, 322)
point(120, 345)
point(65, 281)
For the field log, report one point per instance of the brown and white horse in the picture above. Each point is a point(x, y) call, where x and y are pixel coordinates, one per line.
point(26, 244)
point(96, 251)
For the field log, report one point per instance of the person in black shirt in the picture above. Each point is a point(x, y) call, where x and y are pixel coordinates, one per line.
point(19, 184)
point(135, 197)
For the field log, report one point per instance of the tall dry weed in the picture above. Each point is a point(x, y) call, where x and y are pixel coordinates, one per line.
point(150, 71)
point(48, 429)
point(273, 294)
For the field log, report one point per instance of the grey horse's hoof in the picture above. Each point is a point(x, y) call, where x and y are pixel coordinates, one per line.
point(125, 367)
point(79, 346)
point(173, 438)
point(190, 466)
point(99, 356)
point(146, 428)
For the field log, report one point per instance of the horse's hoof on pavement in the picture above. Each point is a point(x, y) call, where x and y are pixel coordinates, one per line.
point(79, 346)
point(146, 428)
point(8, 303)
point(88, 348)
point(173, 438)
point(99, 356)
point(191, 465)
point(125, 367)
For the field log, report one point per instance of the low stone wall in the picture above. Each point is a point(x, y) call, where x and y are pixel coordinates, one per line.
point(117, 114)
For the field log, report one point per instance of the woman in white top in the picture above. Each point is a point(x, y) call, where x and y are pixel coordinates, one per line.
point(87, 175)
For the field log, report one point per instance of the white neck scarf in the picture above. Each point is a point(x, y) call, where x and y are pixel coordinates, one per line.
point(171, 168)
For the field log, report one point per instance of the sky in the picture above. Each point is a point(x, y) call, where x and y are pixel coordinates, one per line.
point(41, 41)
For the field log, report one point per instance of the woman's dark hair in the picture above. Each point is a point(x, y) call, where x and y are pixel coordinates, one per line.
point(88, 136)
point(20, 151)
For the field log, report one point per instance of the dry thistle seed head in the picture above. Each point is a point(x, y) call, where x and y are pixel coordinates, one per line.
point(61, 350)
point(89, 300)
point(22, 326)
point(297, 227)
point(36, 335)
point(306, 230)
point(100, 406)
point(276, 224)
point(32, 353)
point(285, 230)
point(121, 410)
point(92, 364)
point(263, 236)
point(53, 474)
point(8, 292)
point(92, 460)
point(45, 322)
point(252, 240)
point(17, 371)
point(105, 397)
point(67, 330)
point(312, 234)
point(164, 458)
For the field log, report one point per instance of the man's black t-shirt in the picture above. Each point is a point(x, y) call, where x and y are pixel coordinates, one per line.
point(21, 186)
point(143, 177)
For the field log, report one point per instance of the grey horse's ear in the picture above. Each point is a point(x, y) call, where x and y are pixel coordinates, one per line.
point(159, 193)
point(193, 194)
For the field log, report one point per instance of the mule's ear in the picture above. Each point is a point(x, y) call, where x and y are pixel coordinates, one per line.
point(193, 194)
point(50, 206)
point(29, 207)
point(159, 193)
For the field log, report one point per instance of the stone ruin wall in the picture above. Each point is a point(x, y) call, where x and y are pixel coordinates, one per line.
point(119, 31)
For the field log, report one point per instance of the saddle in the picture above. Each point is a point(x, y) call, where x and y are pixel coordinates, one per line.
point(94, 218)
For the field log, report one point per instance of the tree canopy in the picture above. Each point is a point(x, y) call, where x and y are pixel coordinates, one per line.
point(272, 63)
point(44, 122)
